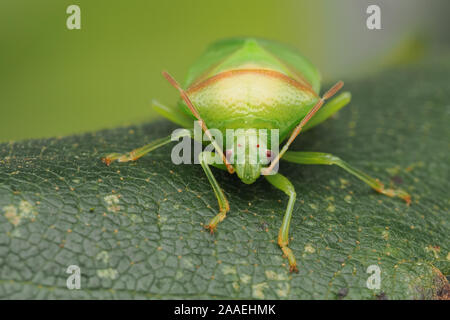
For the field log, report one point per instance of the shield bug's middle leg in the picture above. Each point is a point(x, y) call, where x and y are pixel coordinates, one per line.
point(139, 152)
point(206, 158)
point(281, 182)
point(329, 159)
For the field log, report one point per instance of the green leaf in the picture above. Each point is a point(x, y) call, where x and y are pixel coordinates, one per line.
point(136, 229)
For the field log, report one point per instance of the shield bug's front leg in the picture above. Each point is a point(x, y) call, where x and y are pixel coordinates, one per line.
point(139, 152)
point(329, 159)
point(281, 182)
point(206, 158)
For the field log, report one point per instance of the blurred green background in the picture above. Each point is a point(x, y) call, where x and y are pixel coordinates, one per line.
point(55, 81)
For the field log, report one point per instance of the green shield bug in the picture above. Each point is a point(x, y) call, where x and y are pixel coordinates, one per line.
point(249, 83)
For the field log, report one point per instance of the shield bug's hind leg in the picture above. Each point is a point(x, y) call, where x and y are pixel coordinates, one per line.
point(206, 158)
point(330, 108)
point(139, 152)
point(173, 115)
point(329, 159)
point(282, 183)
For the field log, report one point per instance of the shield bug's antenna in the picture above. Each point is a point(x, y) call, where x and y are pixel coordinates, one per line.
point(331, 92)
point(194, 111)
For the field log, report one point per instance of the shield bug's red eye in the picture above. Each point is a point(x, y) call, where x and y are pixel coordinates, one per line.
point(269, 154)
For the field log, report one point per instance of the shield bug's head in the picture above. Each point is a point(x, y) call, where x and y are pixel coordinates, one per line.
point(249, 154)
